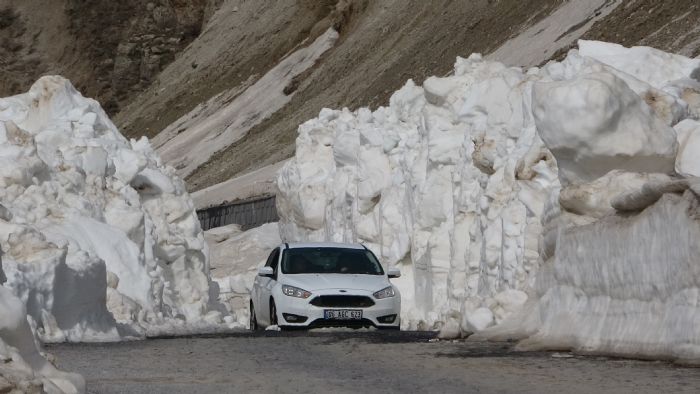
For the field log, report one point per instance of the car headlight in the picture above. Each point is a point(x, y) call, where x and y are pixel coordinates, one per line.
point(384, 293)
point(295, 292)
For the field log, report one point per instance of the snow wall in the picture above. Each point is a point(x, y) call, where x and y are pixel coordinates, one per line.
point(100, 240)
point(480, 184)
point(22, 368)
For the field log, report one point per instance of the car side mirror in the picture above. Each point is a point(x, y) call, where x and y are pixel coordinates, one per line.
point(394, 272)
point(266, 272)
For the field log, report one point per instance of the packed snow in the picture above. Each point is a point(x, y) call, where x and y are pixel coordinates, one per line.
point(22, 368)
point(635, 301)
point(553, 203)
point(625, 282)
point(448, 183)
point(235, 258)
point(100, 239)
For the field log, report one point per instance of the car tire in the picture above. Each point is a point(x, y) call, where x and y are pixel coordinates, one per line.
point(253, 322)
point(273, 313)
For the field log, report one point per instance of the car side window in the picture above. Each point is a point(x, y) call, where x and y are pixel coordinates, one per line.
point(275, 262)
point(272, 258)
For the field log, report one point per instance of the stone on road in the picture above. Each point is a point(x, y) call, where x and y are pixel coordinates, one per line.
point(342, 362)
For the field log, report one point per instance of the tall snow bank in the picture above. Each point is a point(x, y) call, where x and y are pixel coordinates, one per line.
point(623, 277)
point(626, 285)
point(22, 368)
point(453, 181)
point(448, 183)
point(97, 233)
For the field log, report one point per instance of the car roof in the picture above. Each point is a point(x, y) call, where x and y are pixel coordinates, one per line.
point(297, 245)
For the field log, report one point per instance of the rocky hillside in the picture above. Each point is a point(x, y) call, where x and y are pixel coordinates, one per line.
point(111, 50)
point(154, 63)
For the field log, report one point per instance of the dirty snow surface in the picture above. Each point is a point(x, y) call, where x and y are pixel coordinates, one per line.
point(100, 240)
point(212, 126)
point(497, 190)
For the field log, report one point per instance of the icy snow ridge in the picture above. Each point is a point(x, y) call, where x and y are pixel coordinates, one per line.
point(495, 190)
point(97, 233)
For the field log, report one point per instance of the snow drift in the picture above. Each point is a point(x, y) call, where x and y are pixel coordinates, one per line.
point(101, 240)
point(22, 368)
point(235, 258)
point(496, 188)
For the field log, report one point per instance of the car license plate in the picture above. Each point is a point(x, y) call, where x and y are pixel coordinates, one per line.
point(342, 314)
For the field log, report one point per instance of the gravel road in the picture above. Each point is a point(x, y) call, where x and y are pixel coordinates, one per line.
point(370, 362)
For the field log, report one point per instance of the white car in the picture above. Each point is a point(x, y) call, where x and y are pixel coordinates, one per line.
point(324, 285)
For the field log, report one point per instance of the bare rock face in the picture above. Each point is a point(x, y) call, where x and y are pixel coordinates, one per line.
point(110, 49)
point(146, 36)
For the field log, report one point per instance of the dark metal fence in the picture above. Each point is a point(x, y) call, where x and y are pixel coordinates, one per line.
point(247, 214)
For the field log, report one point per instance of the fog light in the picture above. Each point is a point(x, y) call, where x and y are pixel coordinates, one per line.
point(386, 319)
point(291, 318)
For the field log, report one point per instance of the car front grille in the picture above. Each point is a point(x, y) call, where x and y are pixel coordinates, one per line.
point(321, 323)
point(342, 301)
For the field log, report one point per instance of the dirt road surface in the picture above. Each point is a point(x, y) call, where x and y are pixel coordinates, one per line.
point(369, 362)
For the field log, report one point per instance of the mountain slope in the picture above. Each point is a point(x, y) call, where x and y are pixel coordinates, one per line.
point(381, 45)
point(156, 64)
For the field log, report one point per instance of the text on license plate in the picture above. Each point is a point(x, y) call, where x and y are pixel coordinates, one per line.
point(342, 314)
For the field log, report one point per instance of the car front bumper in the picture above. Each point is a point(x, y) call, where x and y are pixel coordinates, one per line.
point(315, 315)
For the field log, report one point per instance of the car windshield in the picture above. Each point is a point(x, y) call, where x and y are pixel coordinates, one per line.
point(330, 261)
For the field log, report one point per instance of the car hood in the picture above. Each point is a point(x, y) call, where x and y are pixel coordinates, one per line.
point(312, 282)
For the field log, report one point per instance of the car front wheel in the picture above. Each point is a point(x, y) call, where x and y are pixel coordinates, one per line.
point(273, 313)
point(253, 323)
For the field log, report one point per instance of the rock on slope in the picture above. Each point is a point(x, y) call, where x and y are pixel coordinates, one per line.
point(100, 239)
point(498, 186)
